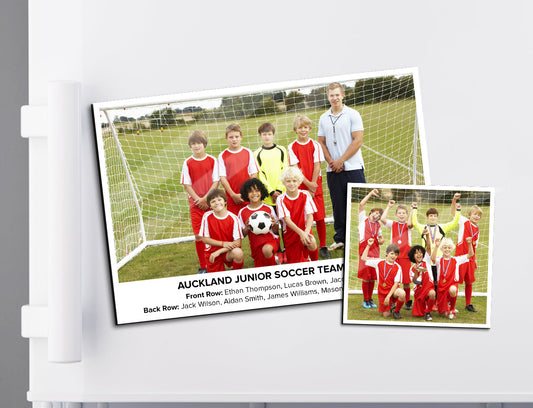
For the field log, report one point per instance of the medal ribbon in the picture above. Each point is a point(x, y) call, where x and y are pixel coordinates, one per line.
point(447, 266)
point(388, 273)
point(372, 233)
point(472, 233)
point(400, 231)
point(433, 234)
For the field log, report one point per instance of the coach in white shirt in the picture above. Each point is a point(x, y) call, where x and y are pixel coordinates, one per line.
point(340, 133)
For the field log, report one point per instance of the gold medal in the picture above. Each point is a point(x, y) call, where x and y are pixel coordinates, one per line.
point(384, 285)
point(444, 281)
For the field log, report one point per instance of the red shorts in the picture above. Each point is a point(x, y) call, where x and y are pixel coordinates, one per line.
point(420, 298)
point(443, 297)
point(234, 208)
point(320, 209)
point(405, 263)
point(259, 258)
point(296, 252)
point(381, 300)
point(196, 216)
point(366, 272)
point(467, 272)
point(218, 265)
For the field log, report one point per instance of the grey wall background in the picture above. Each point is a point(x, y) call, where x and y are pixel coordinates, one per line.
point(494, 95)
point(13, 202)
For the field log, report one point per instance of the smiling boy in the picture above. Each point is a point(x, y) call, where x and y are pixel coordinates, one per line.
point(468, 227)
point(221, 234)
point(401, 236)
point(389, 275)
point(236, 164)
point(199, 176)
point(448, 274)
point(272, 160)
point(306, 154)
point(369, 236)
point(295, 211)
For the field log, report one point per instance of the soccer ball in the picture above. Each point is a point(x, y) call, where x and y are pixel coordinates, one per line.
point(260, 222)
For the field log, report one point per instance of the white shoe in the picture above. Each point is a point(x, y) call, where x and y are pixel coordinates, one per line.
point(336, 245)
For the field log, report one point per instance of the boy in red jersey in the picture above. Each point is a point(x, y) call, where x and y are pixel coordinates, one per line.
point(306, 154)
point(401, 236)
point(221, 233)
point(468, 228)
point(436, 230)
point(448, 274)
point(369, 228)
point(389, 275)
point(236, 165)
point(264, 246)
point(199, 176)
point(295, 210)
point(420, 272)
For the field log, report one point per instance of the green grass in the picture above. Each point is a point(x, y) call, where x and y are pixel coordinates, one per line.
point(155, 159)
point(356, 311)
point(164, 261)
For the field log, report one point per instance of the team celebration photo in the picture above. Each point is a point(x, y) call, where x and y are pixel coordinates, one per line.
point(419, 256)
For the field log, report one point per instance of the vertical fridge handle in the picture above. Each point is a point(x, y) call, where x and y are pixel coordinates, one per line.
point(55, 180)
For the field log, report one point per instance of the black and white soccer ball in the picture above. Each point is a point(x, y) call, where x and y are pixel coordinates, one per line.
point(260, 222)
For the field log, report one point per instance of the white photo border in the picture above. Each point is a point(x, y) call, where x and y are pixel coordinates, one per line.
point(353, 234)
point(169, 298)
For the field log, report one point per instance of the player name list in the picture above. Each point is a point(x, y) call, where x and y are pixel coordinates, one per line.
point(245, 289)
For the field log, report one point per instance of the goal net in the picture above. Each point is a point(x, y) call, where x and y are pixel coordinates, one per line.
point(426, 198)
point(143, 144)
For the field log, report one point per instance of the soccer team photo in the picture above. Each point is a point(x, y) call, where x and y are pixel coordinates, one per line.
point(419, 256)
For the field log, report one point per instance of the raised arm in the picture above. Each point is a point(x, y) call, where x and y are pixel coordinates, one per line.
point(414, 219)
point(455, 222)
point(364, 255)
point(363, 202)
point(386, 211)
point(470, 247)
point(427, 241)
point(456, 197)
point(434, 254)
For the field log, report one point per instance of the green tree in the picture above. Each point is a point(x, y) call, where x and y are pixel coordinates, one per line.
point(268, 107)
point(292, 100)
point(162, 118)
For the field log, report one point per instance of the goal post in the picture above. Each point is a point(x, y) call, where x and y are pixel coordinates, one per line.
point(142, 145)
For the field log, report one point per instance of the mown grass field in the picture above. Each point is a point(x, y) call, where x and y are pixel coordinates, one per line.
point(164, 261)
point(155, 158)
point(356, 311)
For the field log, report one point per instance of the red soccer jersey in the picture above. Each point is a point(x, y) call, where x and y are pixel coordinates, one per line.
point(448, 270)
point(296, 209)
point(305, 155)
point(466, 229)
point(401, 236)
point(237, 167)
point(222, 229)
point(387, 274)
point(367, 230)
point(200, 173)
point(257, 241)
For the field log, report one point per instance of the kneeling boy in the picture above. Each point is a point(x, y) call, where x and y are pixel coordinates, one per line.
point(295, 210)
point(221, 234)
point(389, 276)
